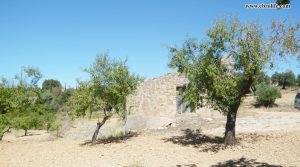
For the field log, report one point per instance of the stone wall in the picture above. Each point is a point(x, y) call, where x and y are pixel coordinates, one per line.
point(157, 96)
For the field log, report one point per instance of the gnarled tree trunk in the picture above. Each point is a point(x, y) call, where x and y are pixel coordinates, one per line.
point(99, 125)
point(284, 85)
point(229, 138)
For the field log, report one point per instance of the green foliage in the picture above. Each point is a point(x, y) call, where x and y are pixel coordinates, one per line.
point(48, 84)
point(32, 74)
point(224, 67)
point(262, 77)
point(36, 116)
point(54, 102)
point(46, 97)
point(7, 105)
point(220, 83)
point(63, 98)
point(22, 106)
point(48, 120)
point(81, 100)
point(51, 85)
point(56, 126)
point(5, 100)
point(298, 79)
point(283, 2)
point(4, 123)
point(107, 89)
point(25, 122)
point(266, 95)
point(284, 79)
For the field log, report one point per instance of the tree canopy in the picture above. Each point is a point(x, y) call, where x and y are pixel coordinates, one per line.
point(31, 78)
point(249, 48)
point(49, 84)
point(109, 85)
point(20, 105)
point(284, 79)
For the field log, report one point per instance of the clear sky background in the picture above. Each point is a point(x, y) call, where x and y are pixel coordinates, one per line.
point(61, 37)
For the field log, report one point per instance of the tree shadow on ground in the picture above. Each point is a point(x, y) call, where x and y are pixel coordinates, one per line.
point(195, 138)
point(243, 162)
point(258, 105)
point(30, 134)
point(109, 140)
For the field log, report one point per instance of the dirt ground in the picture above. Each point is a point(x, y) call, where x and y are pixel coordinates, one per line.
point(266, 137)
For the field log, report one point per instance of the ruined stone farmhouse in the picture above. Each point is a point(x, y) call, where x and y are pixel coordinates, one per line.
point(158, 96)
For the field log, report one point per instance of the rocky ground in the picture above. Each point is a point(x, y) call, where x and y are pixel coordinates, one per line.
point(266, 137)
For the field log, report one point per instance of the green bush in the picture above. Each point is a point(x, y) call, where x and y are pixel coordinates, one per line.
point(56, 126)
point(4, 124)
point(266, 95)
point(118, 131)
point(25, 122)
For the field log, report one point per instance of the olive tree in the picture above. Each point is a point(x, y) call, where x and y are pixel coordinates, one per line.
point(106, 91)
point(284, 79)
point(223, 67)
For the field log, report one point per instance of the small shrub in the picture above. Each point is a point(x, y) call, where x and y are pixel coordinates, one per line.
point(56, 126)
point(266, 95)
point(48, 119)
point(26, 122)
point(117, 133)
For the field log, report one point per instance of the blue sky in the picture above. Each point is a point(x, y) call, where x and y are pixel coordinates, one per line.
point(61, 37)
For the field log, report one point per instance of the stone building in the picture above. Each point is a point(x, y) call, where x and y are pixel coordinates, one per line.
point(157, 96)
point(157, 101)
